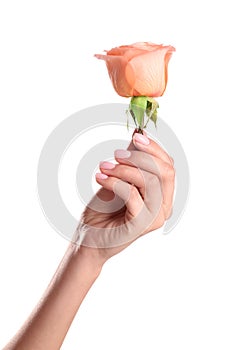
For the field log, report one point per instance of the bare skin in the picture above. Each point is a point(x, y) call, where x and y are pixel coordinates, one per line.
point(144, 182)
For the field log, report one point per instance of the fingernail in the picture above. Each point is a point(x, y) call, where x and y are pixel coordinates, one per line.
point(141, 139)
point(107, 165)
point(101, 176)
point(122, 153)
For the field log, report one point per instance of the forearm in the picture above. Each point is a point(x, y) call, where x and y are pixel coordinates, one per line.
point(48, 324)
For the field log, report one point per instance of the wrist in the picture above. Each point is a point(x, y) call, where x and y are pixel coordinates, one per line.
point(88, 258)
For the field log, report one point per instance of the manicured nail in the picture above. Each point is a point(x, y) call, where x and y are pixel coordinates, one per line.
point(141, 139)
point(107, 165)
point(101, 176)
point(121, 153)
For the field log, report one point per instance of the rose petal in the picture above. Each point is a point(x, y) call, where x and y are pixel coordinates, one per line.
point(150, 71)
point(139, 69)
point(116, 66)
point(146, 46)
point(127, 51)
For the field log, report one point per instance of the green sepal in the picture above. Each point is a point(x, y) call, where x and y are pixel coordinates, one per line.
point(137, 108)
point(141, 107)
point(151, 111)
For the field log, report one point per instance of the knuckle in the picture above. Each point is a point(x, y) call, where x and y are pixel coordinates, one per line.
point(169, 214)
point(123, 171)
point(172, 160)
point(168, 210)
point(161, 219)
point(133, 192)
point(154, 180)
point(168, 172)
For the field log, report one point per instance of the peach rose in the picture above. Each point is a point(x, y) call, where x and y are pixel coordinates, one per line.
point(139, 69)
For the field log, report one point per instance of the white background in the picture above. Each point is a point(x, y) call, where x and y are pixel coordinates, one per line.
point(163, 292)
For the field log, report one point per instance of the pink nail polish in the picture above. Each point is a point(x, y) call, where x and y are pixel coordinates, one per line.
point(107, 165)
point(121, 153)
point(101, 176)
point(141, 139)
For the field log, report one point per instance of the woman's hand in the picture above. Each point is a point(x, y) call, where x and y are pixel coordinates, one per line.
point(135, 198)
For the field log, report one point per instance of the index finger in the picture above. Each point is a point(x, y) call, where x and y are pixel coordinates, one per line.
point(145, 144)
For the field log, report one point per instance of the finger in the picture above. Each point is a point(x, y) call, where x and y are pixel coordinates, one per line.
point(131, 146)
point(142, 142)
point(128, 193)
point(143, 161)
point(132, 175)
point(148, 184)
point(163, 170)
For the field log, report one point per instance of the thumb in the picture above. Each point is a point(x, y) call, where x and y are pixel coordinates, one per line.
point(131, 146)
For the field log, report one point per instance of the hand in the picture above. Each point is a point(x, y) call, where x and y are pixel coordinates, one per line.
point(135, 198)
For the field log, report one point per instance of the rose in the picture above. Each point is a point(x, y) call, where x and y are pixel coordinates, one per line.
point(139, 69)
